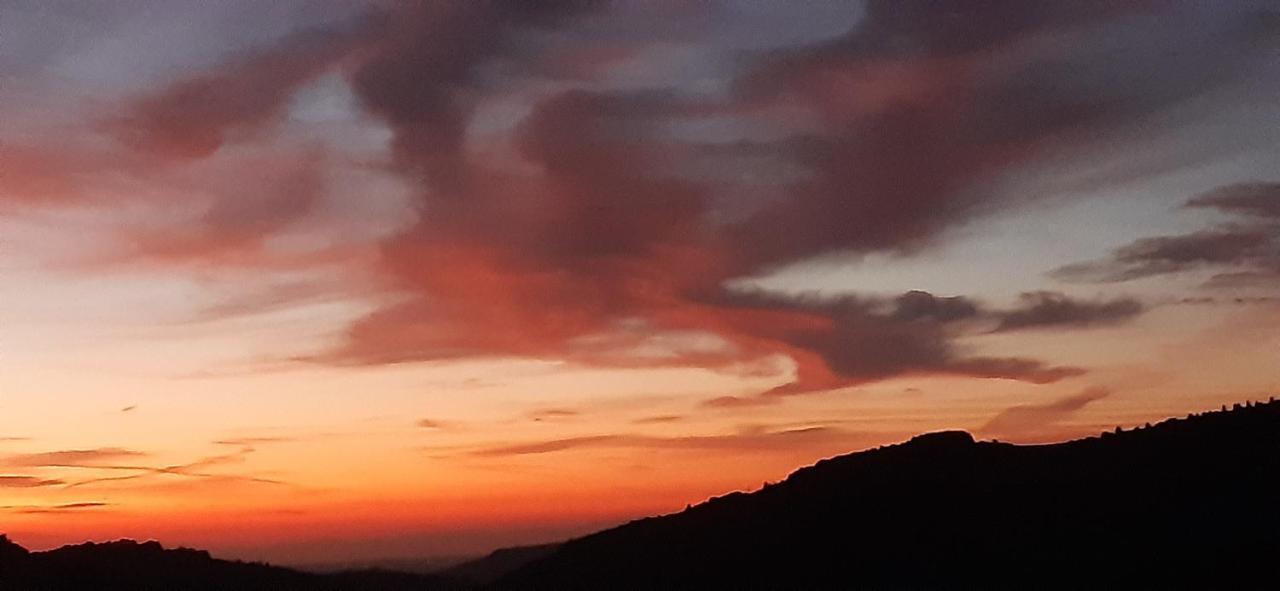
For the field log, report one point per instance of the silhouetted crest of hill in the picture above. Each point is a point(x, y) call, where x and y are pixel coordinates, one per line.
point(1188, 503)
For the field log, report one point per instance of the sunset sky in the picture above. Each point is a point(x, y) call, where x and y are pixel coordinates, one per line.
point(321, 280)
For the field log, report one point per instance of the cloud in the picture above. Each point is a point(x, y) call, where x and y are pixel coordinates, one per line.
point(899, 163)
point(17, 481)
point(195, 116)
point(121, 460)
point(197, 469)
point(1247, 249)
point(598, 217)
point(604, 229)
point(611, 218)
point(740, 401)
point(1258, 200)
point(275, 296)
point(657, 419)
point(553, 414)
point(252, 441)
point(848, 341)
point(917, 305)
point(542, 447)
point(1162, 255)
point(1030, 419)
point(247, 199)
point(748, 440)
point(72, 458)
point(1046, 309)
point(64, 508)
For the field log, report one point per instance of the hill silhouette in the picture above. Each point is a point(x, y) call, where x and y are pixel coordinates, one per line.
point(1187, 503)
point(500, 562)
point(147, 566)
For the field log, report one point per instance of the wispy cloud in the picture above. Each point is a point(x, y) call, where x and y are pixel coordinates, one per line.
point(1047, 309)
point(128, 462)
point(19, 481)
point(552, 414)
point(758, 439)
point(59, 509)
point(740, 401)
point(1245, 251)
point(252, 441)
point(658, 419)
point(73, 458)
point(432, 424)
point(1032, 419)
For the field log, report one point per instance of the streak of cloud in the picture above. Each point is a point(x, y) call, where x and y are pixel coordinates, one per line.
point(1031, 419)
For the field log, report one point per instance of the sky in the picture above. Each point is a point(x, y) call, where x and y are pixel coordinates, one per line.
point(316, 280)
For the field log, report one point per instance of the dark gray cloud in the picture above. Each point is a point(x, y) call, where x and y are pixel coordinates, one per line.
point(1047, 309)
point(1246, 250)
point(859, 340)
point(916, 305)
point(1258, 200)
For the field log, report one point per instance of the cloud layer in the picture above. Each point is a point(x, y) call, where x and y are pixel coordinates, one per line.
point(605, 212)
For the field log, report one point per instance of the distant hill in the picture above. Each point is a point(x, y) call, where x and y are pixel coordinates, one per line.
point(1187, 503)
point(486, 570)
point(133, 566)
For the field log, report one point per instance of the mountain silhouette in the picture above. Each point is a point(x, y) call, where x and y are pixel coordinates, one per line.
point(1187, 503)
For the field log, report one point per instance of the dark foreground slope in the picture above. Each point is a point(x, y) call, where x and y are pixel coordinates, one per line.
point(1187, 503)
point(127, 565)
